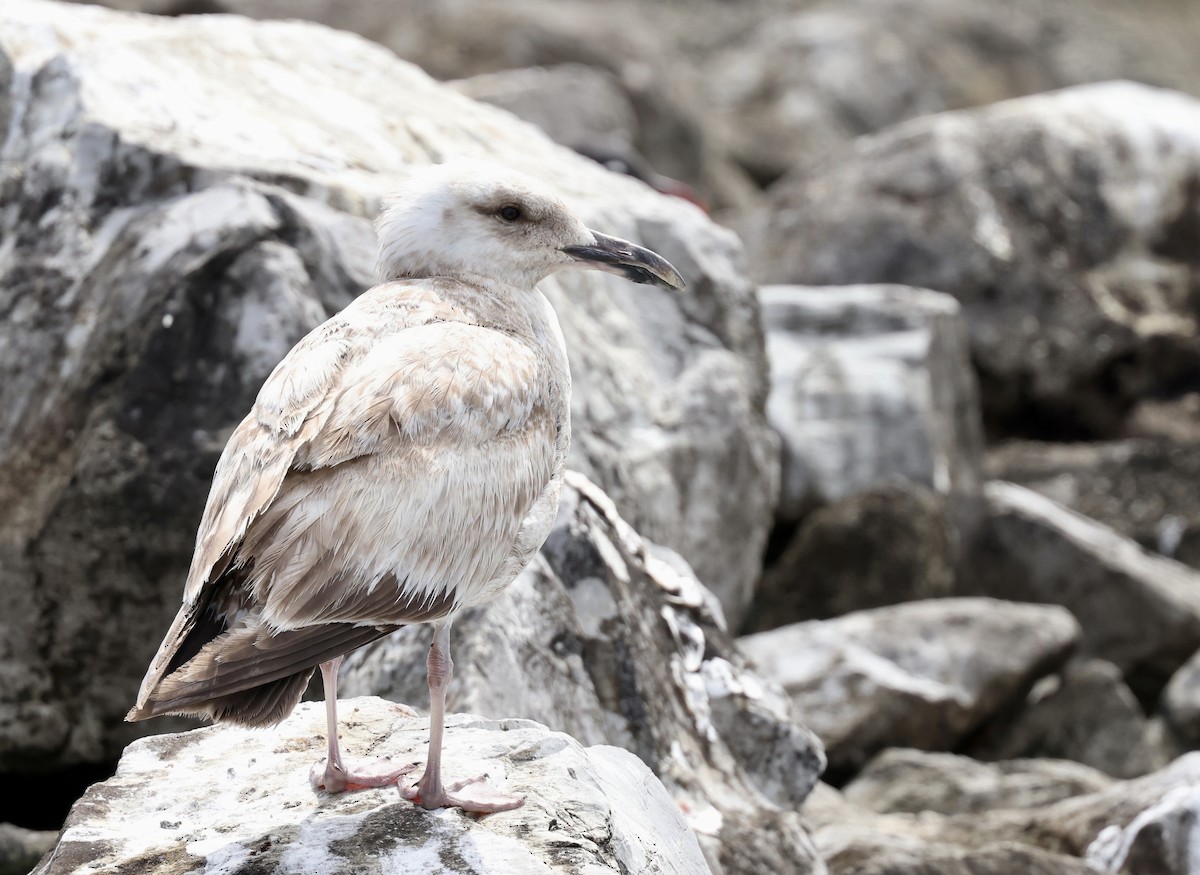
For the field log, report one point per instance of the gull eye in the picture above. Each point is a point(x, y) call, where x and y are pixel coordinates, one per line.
point(509, 213)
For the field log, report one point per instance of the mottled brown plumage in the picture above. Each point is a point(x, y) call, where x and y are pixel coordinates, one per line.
point(401, 463)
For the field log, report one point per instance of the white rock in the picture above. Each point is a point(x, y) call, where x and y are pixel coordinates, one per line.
point(1059, 221)
point(923, 674)
point(869, 384)
point(228, 800)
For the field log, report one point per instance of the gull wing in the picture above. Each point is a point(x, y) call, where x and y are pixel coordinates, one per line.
point(319, 512)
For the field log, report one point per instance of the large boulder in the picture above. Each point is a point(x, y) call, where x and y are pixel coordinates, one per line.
point(576, 105)
point(1143, 488)
point(1145, 825)
point(1138, 611)
point(869, 384)
point(801, 85)
point(612, 639)
point(184, 199)
point(1086, 714)
point(923, 674)
point(469, 38)
point(1063, 224)
point(889, 544)
point(854, 840)
point(911, 781)
point(239, 801)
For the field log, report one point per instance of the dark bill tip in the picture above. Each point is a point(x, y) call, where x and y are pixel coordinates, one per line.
point(635, 263)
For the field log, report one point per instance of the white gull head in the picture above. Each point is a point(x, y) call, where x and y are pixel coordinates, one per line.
point(488, 225)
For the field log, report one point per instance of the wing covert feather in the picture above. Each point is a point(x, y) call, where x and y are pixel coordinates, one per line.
point(365, 379)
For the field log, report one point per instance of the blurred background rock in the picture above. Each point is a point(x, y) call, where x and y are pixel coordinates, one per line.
point(969, 376)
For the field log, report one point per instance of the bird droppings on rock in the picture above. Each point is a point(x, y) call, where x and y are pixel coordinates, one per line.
point(238, 801)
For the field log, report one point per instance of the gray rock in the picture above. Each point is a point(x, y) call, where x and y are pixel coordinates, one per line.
point(923, 674)
point(855, 840)
point(238, 800)
point(1146, 825)
point(20, 849)
point(612, 639)
point(1163, 839)
point(1137, 611)
point(1060, 222)
point(574, 104)
point(1142, 488)
point(869, 384)
point(911, 781)
point(1096, 828)
point(469, 38)
point(1086, 714)
point(803, 84)
point(1181, 702)
point(161, 253)
point(889, 544)
point(884, 856)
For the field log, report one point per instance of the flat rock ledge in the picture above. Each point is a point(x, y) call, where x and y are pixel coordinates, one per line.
point(226, 800)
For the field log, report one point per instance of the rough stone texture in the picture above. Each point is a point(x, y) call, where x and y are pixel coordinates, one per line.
point(1163, 839)
point(888, 857)
point(923, 674)
point(1181, 702)
point(890, 544)
point(1153, 810)
point(1138, 611)
point(185, 198)
point(1145, 489)
point(239, 801)
point(20, 849)
point(574, 104)
point(802, 85)
point(1061, 222)
point(855, 840)
point(468, 38)
point(868, 384)
point(1086, 714)
point(613, 640)
point(912, 781)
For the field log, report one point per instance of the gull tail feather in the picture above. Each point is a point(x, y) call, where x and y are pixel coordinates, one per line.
point(247, 675)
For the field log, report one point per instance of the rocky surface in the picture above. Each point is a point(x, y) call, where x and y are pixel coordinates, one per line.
point(889, 544)
point(869, 384)
point(1086, 714)
point(20, 849)
point(922, 674)
point(1181, 702)
point(902, 780)
point(469, 38)
point(1143, 488)
point(576, 105)
point(1137, 611)
point(1042, 216)
point(1084, 833)
point(802, 85)
point(239, 801)
point(613, 640)
point(183, 199)
point(174, 223)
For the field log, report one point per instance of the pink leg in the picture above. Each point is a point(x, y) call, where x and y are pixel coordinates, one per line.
point(472, 794)
point(331, 774)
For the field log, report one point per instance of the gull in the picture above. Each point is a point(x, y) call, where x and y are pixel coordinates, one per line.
point(401, 464)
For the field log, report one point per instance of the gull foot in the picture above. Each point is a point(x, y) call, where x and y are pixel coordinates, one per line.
point(473, 794)
point(356, 775)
